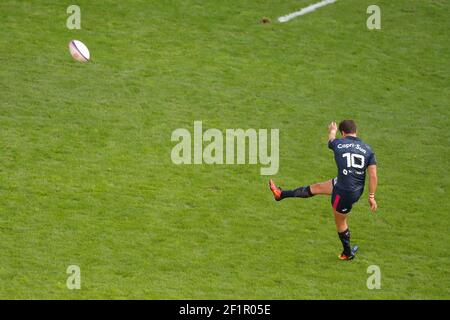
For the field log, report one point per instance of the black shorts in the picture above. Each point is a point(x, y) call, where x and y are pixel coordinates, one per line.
point(343, 200)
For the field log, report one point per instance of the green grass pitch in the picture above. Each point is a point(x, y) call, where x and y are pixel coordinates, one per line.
point(86, 176)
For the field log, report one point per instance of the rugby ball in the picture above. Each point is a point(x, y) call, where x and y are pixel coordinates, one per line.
point(79, 51)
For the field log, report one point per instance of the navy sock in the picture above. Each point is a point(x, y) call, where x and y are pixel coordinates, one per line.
point(302, 192)
point(345, 239)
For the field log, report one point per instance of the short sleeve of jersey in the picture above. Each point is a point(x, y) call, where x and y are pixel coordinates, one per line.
point(372, 159)
point(332, 144)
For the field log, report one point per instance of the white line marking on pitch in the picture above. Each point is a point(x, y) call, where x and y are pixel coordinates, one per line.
point(306, 10)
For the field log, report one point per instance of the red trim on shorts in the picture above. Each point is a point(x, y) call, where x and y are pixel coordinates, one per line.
point(336, 201)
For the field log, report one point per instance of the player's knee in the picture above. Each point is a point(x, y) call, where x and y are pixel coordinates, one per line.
point(340, 220)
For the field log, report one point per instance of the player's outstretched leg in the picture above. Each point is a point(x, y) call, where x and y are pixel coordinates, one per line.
point(279, 194)
point(302, 192)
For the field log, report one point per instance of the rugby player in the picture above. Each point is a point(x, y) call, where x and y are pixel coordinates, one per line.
point(353, 158)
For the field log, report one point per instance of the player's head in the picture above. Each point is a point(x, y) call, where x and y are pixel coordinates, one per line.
point(347, 127)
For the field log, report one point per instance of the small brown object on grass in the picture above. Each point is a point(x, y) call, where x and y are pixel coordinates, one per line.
point(265, 20)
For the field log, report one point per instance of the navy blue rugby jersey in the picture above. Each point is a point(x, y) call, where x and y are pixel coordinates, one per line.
point(352, 158)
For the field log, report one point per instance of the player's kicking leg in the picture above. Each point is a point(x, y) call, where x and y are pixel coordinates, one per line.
point(325, 188)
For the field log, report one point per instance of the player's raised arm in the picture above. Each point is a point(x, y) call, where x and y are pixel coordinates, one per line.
point(373, 182)
point(332, 130)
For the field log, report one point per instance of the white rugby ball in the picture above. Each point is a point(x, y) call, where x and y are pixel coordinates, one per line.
point(79, 51)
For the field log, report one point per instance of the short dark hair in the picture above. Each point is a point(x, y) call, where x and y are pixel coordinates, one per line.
point(347, 126)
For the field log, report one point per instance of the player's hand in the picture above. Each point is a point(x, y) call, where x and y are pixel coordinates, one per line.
point(332, 127)
point(373, 204)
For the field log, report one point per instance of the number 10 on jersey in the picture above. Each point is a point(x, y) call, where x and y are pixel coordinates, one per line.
point(354, 160)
